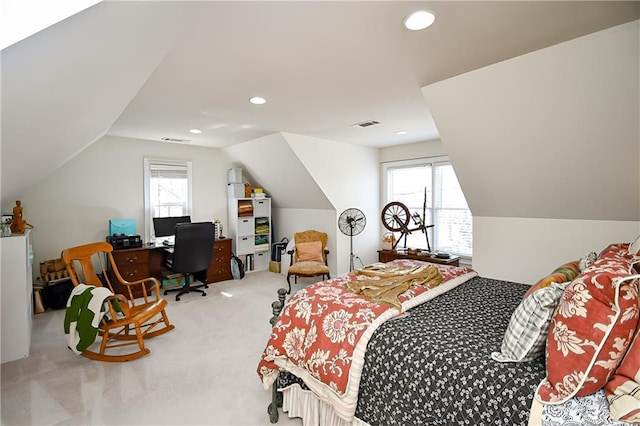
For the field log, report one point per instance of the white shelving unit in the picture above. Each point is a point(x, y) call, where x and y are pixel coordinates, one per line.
point(250, 230)
point(17, 296)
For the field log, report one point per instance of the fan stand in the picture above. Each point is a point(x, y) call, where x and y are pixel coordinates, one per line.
point(351, 256)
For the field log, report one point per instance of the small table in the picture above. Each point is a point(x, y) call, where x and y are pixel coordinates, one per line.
point(389, 255)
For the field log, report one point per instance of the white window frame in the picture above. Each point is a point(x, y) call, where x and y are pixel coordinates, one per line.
point(386, 196)
point(148, 163)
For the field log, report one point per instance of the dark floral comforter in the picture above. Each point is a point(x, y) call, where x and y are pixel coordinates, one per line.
point(432, 366)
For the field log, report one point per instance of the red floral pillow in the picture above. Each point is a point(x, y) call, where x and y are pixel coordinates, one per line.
point(616, 251)
point(623, 390)
point(590, 331)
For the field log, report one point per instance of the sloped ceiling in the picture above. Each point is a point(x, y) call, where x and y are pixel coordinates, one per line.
point(147, 69)
point(270, 163)
point(71, 83)
point(550, 134)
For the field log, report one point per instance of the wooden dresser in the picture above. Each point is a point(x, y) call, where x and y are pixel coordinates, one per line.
point(220, 268)
point(147, 261)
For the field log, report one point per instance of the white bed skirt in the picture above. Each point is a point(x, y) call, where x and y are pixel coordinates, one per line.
point(297, 402)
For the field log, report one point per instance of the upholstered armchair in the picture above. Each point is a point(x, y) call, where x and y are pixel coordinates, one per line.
point(308, 256)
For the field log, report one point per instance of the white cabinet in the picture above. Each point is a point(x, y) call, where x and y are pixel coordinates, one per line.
point(250, 230)
point(16, 288)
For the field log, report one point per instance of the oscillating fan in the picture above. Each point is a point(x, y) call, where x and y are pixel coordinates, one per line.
point(351, 222)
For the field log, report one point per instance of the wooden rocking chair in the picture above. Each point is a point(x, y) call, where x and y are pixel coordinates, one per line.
point(134, 320)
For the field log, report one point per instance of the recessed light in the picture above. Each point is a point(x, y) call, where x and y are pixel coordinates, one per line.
point(257, 100)
point(401, 132)
point(196, 131)
point(419, 20)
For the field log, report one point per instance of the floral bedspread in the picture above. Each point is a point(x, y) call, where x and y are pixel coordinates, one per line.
point(323, 331)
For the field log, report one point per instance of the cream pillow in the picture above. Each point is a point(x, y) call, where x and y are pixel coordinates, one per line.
point(310, 252)
point(634, 247)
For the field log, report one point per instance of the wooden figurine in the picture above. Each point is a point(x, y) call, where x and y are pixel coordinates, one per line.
point(18, 224)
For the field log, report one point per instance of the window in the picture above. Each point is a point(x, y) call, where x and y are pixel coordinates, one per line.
point(431, 185)
point(167, 190)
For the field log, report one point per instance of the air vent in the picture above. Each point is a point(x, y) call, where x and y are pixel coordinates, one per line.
point(366, 123)
point(176, 140)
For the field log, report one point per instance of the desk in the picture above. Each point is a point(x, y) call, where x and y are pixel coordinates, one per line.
point(147, 261)
point(389, 255)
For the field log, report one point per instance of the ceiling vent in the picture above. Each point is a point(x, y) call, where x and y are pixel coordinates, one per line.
point(176, 140)
point(366, 124)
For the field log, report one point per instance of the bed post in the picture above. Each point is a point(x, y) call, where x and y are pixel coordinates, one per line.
point(276, 397)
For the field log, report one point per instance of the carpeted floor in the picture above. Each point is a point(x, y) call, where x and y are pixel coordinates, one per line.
point(203, 372)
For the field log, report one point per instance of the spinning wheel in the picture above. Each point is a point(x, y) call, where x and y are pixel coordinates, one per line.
point(396, 217)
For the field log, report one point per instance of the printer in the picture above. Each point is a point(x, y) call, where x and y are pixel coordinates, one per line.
point(124, 241)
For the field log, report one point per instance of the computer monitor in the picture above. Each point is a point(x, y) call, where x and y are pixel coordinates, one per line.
point(166, 226)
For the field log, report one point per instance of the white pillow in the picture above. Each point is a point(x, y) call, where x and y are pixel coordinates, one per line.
point(634, 247)
point(587, 260)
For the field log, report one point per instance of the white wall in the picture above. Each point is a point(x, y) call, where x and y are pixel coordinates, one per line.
point(425, 149)
point(525, 249)
point(546, 148)
point(540, 134)
point(73, 205)
point(348, 175)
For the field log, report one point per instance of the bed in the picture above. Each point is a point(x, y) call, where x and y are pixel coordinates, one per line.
point(429, 364)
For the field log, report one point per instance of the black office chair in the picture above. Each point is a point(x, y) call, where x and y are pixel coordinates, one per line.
point(192, 252)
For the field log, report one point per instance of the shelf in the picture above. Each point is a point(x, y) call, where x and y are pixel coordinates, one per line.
point(250, 231)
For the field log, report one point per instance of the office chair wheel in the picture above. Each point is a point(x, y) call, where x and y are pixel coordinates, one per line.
point(204, 294)
point(177, 298)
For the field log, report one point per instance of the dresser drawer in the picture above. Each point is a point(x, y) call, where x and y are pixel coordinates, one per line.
point(134, 272)
point(126, 258)
point(133, 265)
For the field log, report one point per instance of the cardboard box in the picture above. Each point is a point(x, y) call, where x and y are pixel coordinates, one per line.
point(234, 175)
point(174, 281)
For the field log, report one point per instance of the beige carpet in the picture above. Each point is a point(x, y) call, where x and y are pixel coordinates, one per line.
point(203, 372)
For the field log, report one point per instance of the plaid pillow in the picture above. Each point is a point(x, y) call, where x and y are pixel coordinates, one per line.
point(526, 333)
